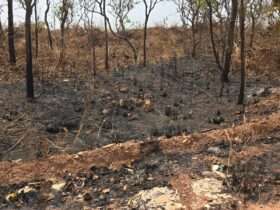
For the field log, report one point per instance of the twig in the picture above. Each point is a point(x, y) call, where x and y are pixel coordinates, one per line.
point(17, 143)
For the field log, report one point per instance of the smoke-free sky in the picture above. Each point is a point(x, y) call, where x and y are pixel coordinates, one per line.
point(164, 13)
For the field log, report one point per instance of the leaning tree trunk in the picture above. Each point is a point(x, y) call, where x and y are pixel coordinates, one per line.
point(230, 40)
point(242, 52)
point(11, 34)
point(47, 24)
point(28, 50)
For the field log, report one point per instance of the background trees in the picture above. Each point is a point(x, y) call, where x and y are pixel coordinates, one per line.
point(116, 24)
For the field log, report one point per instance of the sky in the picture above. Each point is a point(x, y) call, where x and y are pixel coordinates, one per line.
point(164, 13)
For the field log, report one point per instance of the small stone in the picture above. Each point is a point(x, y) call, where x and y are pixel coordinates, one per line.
point(214, 150)
point(105, 191)
point(125, 188)
point(106, 111)
point(87, 197)
point(11, 197)
point(52, 128)
point(107, 124)
point(148, 106)
point(124, 89)
point(58, 186)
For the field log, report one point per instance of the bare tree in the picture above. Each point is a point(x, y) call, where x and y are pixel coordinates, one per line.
point(28, 5)
point(242, 13)
point(149, 7)
point(190, 15)
point(63, 13)
point(50, 41)
point(100, 7)
point(255, 9)
point(11, 33)
point(120, 10)
point(230, 41)
point(88, 18)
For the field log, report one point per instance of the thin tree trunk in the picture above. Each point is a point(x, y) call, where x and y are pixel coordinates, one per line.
point(252, 35)
point(216, 55)
point(145, 42)
point(193, 40)
point(11, 37)
point(63, 20)
point(230, 40)
point(1, 35)
point(28, 49)
point(106, 37)
point(36, 30)
point(47, 24)
point(93, 53)
point(242, 52)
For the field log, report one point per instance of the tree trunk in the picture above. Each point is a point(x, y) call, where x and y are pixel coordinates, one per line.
point(106, 37)
point(242, 52)
point(1, 35)
point(216, 54)
point(11, 41)
point(47, 24)
point(63, 20)
point(145, 42)
point(230, 40)
point(36, 30)
point(253, 27)
point(193, 39)
point(28, 49)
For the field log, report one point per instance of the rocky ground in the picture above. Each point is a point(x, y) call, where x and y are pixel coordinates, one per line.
point(213, 168)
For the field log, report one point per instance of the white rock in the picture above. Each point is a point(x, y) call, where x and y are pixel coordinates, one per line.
point(156, 198)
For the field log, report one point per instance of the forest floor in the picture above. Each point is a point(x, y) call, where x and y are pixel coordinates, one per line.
point(141, 138)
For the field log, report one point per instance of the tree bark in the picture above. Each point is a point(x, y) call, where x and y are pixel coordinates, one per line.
point(242, 52)
point(47, 24)
point(11, 34)
point(230, 40)
point(28, 49)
